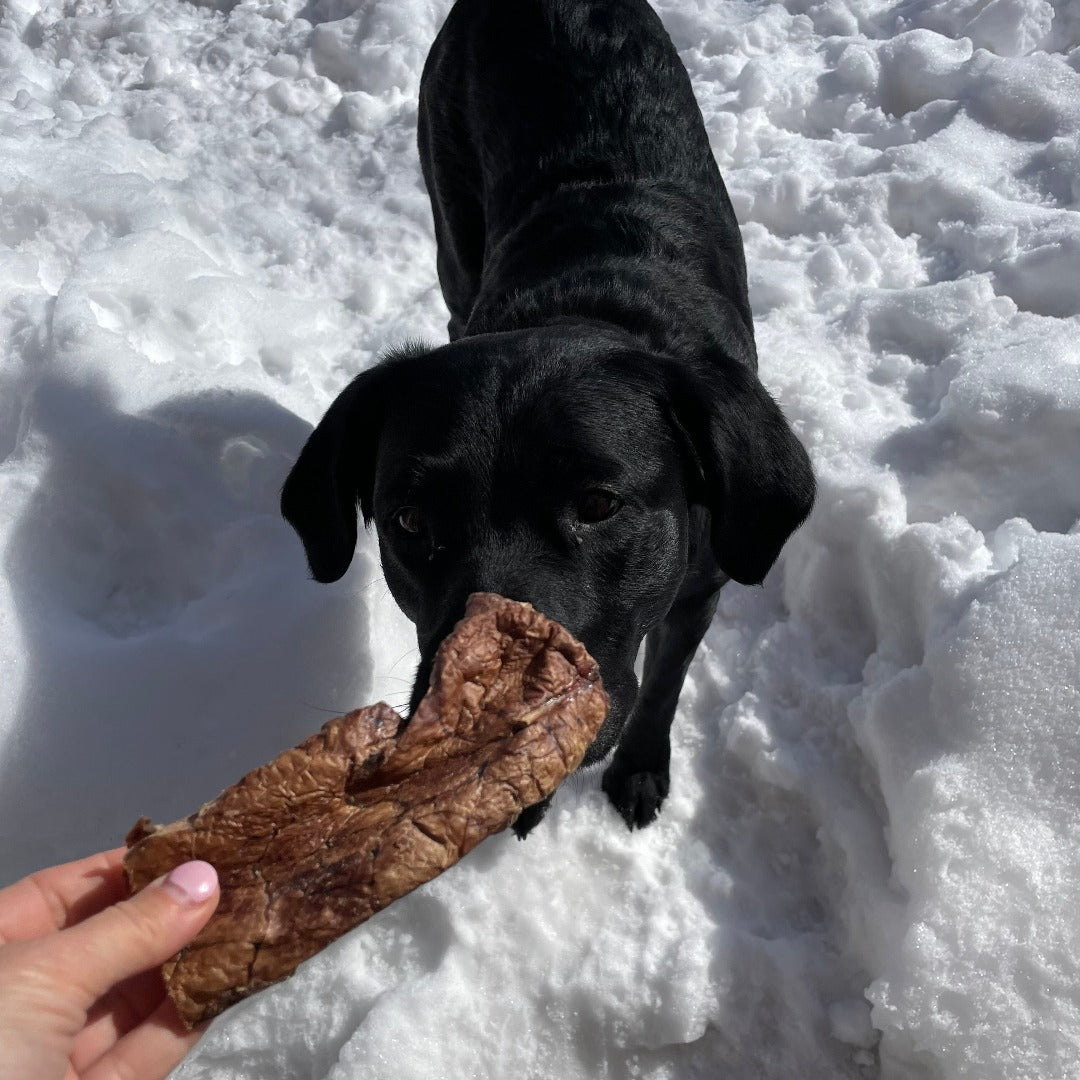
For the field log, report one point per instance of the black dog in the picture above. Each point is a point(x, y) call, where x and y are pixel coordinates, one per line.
point(594, 439)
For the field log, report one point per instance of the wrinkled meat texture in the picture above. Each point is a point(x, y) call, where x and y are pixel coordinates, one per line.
point(331, 831)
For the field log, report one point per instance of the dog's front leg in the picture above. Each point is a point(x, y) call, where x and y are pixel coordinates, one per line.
point(530, 817)
point(637, 779)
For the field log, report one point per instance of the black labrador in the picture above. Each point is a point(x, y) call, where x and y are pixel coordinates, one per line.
point(594, 438)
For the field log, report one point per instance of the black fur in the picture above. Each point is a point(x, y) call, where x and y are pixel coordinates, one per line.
point(601, 358)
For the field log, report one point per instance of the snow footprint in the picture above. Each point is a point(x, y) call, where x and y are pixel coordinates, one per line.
point(138, 518)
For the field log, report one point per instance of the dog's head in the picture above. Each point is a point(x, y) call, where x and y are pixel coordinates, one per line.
point(557, 466)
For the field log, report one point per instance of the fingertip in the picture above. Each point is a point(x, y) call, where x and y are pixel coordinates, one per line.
point(134, 935)
point(192, 883)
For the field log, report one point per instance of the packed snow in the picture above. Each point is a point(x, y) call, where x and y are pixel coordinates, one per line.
point(869, 864)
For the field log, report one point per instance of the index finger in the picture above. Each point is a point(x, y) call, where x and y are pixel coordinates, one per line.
point(61, 896)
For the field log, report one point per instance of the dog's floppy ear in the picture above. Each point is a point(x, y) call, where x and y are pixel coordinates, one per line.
point(335, 473)
point(755, 475)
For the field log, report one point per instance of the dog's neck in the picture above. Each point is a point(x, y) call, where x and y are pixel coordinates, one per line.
point(545, 269)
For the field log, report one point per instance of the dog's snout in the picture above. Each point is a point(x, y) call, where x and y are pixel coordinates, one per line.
point(513, 567)
point(515, 579)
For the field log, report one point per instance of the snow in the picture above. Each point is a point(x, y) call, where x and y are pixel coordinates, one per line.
point(211, 216)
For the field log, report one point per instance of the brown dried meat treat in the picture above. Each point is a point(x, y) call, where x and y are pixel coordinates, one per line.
point(331, 831)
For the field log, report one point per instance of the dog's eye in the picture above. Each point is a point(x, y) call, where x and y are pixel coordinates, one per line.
point(410, 519)
point(597, 505)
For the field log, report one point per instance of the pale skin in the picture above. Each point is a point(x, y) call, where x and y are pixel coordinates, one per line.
point(81, 993)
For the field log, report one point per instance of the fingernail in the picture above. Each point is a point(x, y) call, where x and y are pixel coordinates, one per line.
point(192, 882)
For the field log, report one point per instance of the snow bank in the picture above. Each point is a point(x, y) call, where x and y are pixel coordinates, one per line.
point(211, 216)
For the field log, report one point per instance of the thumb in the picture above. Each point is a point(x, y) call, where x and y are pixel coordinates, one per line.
point(140, 933)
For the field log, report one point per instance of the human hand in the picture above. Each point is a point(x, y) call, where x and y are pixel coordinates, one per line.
point(81, 996)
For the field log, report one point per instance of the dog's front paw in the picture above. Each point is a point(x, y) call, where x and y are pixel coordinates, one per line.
point(637, 794)
point(530, 817)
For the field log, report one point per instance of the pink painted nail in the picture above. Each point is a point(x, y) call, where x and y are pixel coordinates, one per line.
point(192, 882)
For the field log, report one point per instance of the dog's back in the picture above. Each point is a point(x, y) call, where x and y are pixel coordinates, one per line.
point(560, 134)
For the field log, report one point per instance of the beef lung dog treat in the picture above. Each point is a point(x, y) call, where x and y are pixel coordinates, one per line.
point(326, 834)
